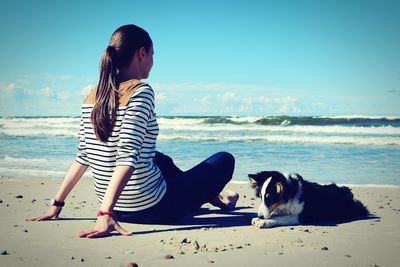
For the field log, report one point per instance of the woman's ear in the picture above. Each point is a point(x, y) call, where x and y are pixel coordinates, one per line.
point(141, 54)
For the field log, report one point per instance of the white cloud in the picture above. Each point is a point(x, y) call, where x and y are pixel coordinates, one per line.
point(46, 91)
point(63, 95)
point(204, 101)
point(160, 97)
point(7, 88)
point(288, 105)
point(228, 97)
point(195, 98)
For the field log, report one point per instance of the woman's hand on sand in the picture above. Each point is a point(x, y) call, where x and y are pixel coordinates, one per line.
point(52, 213)
point(104, 226)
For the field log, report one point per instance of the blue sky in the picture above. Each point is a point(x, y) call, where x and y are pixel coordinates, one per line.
point(211, 57)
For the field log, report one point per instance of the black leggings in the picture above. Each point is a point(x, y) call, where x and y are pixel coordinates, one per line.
point(186, 191)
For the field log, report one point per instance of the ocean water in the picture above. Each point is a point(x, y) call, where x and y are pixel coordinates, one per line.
point(347, 150)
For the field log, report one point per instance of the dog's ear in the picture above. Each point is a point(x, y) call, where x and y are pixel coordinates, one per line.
point(255, 183)
point(296, 176)
point(254, 180)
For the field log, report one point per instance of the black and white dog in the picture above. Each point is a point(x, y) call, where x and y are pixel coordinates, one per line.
point(291, 200)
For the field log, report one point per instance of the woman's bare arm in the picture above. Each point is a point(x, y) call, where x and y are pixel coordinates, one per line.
point(105, 224)
point(118, 181)
point(73, 175)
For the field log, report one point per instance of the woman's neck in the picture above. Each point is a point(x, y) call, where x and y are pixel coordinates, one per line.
point(129, 73)
point(124, 78)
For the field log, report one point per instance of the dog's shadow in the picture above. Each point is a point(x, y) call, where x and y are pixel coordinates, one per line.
point(344, 221)
point(203, 218)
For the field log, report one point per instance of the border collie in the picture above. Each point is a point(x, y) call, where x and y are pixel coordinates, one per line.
point(291, 200)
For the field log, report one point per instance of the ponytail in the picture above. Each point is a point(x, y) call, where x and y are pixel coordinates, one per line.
point(124, 42)
point(104, 113)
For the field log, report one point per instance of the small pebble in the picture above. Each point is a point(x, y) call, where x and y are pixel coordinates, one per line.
point(348, 256)
point(82, 259)
point(4, 252)
point(19, 196)
point(72, 258)
point(26, 231)
point(324, 248)
point(196, 245)
point(1, 201)
point(132, 264)
point(33, 200)
point(108, 258)
point(169, 257)
point(211, 261)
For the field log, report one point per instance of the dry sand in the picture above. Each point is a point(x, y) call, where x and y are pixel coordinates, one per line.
point(207, 238)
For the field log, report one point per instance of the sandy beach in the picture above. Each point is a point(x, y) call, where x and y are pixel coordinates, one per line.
point(208, 237)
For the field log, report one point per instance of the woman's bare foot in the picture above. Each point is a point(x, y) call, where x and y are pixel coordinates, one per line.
point(226, 200)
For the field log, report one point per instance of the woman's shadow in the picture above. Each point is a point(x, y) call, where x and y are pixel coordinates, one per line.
point(206, 218)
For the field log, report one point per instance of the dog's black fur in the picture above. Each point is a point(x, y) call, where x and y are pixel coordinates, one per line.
point(298, 201)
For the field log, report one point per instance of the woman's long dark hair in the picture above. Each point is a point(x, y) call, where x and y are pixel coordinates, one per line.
point(124, 42)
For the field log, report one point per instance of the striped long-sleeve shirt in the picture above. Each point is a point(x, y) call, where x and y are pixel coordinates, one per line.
point(132, 143)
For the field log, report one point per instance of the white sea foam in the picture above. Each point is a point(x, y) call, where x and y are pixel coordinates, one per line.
point(28, 122)
point(40, 132)
point(25, 160)
point(39, 126)
point(381, 130)
point(245, 119)
point(361, 117)
point(382, 141)
point(196, 129)
point(31, 171)
point(60, 130)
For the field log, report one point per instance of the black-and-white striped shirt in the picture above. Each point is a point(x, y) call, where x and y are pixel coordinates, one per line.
point(132, 143)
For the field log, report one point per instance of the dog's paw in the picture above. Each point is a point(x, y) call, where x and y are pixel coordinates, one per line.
point(255, 220)
point(262, 223)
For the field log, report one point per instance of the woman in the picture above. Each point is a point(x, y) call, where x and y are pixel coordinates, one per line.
point(118, 132)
